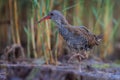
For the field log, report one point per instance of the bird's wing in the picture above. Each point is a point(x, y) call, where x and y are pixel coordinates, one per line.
point(84, 28)
point(81, 30)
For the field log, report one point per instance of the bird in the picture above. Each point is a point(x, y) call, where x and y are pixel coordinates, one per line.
point(78, 38)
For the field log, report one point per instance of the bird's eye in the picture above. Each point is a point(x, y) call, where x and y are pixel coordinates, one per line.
point(51, 14)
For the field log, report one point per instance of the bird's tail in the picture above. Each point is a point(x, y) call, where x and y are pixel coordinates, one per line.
point(99, 38)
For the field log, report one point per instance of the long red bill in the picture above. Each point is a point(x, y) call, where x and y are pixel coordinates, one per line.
point(44, 18)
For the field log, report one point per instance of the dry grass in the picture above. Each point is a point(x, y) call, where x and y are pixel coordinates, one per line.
point(97, 15)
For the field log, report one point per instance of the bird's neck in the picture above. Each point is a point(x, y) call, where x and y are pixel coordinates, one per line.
point(61, 22)
point(64, 31)
point(63, 26)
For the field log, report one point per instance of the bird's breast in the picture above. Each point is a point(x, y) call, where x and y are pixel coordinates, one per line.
point(65, 33)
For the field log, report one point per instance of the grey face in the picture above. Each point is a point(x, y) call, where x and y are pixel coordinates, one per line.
point(57, 17)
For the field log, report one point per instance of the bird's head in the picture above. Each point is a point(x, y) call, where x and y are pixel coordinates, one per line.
point(55, 16)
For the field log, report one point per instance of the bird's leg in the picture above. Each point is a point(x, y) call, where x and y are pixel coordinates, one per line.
point(72, 57)
point(78, 56)
point(84, 54)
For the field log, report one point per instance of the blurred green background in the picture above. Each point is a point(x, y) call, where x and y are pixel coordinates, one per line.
point(18, 17)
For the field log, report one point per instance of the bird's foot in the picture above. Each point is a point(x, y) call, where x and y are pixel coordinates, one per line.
point(78, 56)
